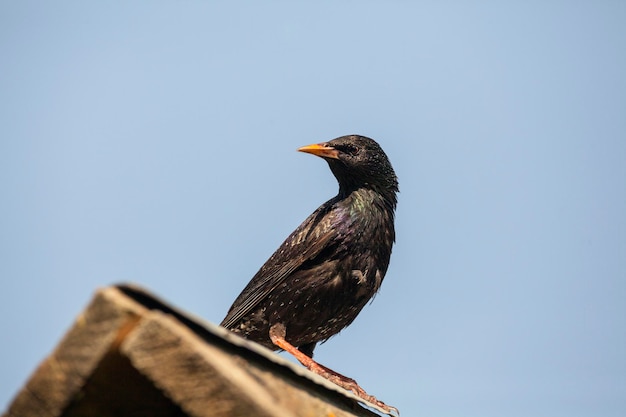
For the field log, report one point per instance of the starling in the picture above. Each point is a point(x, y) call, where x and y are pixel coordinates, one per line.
point(324, 273)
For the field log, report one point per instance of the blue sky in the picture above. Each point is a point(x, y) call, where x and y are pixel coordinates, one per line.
point(154, 142)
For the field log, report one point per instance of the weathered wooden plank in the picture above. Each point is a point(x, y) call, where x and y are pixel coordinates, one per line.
point(176, 359)
point(203, 380)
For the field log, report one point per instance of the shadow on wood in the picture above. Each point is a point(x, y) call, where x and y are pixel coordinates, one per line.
point(131, 354)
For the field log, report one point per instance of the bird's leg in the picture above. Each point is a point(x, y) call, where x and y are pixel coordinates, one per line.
point(278, 333)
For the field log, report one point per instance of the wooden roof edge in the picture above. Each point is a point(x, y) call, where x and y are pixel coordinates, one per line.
point(129, 320)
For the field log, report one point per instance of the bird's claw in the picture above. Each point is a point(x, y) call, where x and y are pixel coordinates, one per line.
point(350, 384)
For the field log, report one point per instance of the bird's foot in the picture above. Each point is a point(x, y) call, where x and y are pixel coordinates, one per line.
point(348, 384)
point(277, 335)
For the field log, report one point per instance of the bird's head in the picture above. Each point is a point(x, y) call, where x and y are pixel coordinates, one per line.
point(357, 162)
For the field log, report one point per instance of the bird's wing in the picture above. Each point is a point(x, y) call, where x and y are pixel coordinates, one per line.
point(305, 243)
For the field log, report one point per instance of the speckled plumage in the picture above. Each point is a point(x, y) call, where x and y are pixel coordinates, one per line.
point(324, 273)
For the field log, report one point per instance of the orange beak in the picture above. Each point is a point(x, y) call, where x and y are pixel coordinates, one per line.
point(322, 150)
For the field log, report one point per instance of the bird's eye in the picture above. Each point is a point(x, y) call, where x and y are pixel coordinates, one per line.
point(349, 149)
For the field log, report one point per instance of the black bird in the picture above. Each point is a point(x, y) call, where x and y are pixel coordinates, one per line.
point(324, 273)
